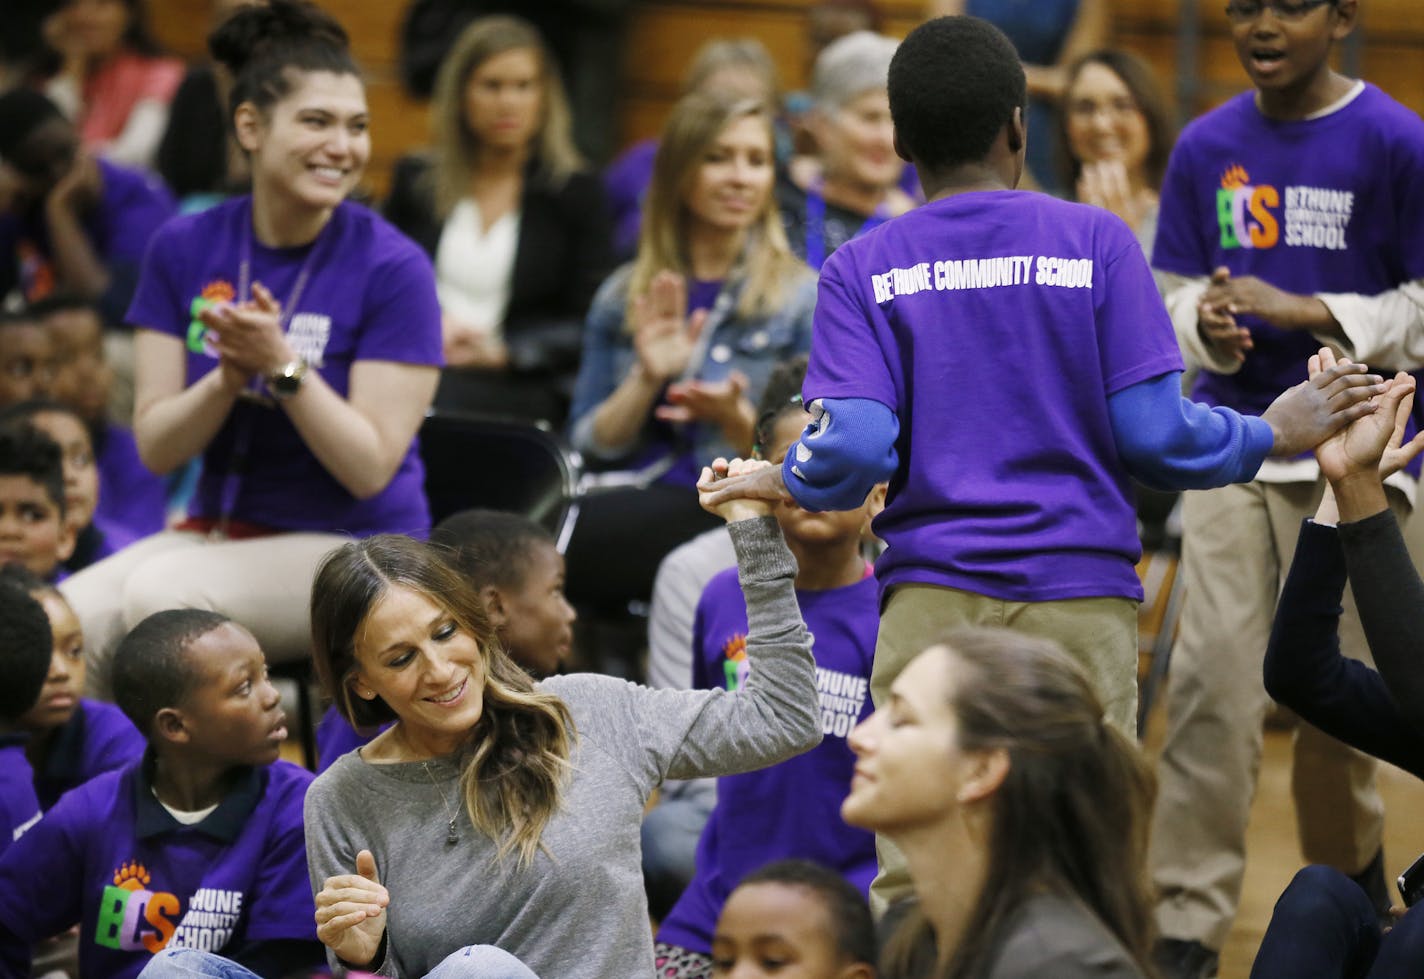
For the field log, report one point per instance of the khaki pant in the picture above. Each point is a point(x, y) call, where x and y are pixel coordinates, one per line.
point(1100, 633)
point(263, 584)
point(1238, 545)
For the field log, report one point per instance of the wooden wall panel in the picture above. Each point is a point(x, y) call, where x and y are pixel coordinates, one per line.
point(663, 35)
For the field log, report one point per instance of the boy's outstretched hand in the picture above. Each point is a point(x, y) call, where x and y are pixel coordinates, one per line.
point(1374, 445)
point(740, 489)
point(1313, 410)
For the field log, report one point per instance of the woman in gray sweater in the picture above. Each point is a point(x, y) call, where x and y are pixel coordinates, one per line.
point(506, 812)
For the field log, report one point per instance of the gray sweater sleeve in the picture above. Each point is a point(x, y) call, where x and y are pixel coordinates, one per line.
point(660, 734)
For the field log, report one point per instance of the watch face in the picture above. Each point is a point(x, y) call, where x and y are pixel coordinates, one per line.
point(287, 380)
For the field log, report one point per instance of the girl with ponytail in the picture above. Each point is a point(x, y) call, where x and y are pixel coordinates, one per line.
point(1021, 812)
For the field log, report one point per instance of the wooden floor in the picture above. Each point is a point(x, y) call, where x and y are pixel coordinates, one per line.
point(1272, 853)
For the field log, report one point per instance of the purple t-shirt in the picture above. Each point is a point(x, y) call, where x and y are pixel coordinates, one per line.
point(98, 738)
point(19, 808)
point(133, 500)
point(133, 205)
point(369, 295)
point(1324, 205)
point(335, 737)
point(110, 858)
point(995, 325)
point(792, 809)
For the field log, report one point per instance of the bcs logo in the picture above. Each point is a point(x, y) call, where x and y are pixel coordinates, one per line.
point(133, 918)
point(1244, 213)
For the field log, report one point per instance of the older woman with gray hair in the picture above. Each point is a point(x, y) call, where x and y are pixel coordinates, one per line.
point(850, 184)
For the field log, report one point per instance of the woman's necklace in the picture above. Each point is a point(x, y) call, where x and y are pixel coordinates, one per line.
point(454, 837)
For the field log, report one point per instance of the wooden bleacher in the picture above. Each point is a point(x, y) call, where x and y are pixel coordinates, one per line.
point(663, 34)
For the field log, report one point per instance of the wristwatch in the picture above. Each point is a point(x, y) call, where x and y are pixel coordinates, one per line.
point(286, 380)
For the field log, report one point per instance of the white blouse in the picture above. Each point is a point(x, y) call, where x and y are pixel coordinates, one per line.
point(474, 268)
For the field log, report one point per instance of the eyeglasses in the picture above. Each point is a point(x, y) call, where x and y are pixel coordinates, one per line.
point(1245, 11)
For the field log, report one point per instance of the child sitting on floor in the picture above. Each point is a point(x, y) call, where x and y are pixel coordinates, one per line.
point(71, 739)
point(198, 845)
point(791, 809)
point(795, 916)
point(33, 531)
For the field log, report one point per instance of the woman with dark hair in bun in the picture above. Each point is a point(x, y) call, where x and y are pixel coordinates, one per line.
point(292, 339)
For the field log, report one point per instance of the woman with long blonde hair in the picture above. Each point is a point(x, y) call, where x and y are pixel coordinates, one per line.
point(515, 223)
point(498, 810)
point(679, 343)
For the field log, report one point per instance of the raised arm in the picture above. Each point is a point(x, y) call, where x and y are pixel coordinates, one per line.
point(174, 423)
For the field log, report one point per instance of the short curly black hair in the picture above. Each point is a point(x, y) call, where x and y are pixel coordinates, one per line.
point(152, 669)
point(954, 85)
point(26, 451)
point(847, 914)
point(26, 645)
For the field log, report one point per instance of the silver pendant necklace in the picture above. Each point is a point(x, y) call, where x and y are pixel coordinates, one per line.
point(453, 836)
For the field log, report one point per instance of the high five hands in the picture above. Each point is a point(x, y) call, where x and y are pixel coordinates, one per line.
point(351, 912)
point(1313, 410)
point(1373, 445)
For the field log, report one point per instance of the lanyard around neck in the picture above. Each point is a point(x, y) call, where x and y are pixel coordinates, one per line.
point(816, 224)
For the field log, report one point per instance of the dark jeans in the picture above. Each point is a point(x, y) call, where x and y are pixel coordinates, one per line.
point(1324, 927)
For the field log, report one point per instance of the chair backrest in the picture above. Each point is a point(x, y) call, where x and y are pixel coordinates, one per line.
point(476, 460)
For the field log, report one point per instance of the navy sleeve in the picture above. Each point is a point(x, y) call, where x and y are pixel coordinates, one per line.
point(1304, 668)
point(1390, 598)
point(847, 448)
point(1171, 443)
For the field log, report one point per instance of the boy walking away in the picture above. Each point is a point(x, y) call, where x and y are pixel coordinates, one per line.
point(1003, 358)
point(199, 845)
point(1269, 233)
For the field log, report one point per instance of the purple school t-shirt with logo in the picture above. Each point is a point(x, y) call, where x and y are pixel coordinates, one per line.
point(110, 858)
point(792, 809)
point(369, 295)
point(1327, 205)
point(995, 324)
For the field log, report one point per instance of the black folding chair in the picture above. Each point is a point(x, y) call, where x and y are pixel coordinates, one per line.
point(474, 460)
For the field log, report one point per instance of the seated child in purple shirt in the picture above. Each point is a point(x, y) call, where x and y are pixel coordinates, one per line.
point(199, 844)
point(795, 916)
point(81, 477)
point(134, 503)
point(33, 529)
point(26, 358)
point(71, 738)
point(24, 658)
point(518, 571)
point(791, 809)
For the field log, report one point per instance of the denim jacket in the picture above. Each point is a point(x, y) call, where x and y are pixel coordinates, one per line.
point(753, 346)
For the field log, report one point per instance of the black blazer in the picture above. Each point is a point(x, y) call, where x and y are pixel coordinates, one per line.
point(565, 251)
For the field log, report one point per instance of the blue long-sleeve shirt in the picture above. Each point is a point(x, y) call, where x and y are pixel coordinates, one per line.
point(1164, 440)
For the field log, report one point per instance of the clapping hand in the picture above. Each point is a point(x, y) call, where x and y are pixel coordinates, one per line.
point(1217, 325)
point(663, 333)
point(351, 912)
point(1105, 184)
point(248, 336)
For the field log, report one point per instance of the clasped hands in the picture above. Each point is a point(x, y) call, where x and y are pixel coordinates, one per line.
point(1230, 296)
point(248, 337)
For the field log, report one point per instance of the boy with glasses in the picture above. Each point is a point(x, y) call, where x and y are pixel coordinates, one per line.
point(1288, 218)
